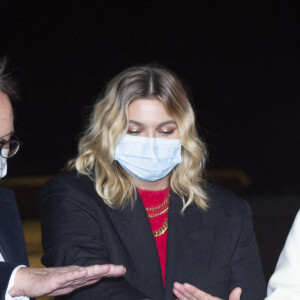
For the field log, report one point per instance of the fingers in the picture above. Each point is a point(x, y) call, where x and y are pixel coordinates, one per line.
point(83, 276)
point(187, 291)
point(108, 270)
point(178, 290)
point(111, 270)
point(235, 294)
point(75, 275)
point(194, 291)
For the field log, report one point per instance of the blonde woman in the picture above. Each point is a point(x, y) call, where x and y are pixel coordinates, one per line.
point(135, 196)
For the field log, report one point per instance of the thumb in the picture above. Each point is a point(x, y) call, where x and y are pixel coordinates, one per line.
point(235, 294)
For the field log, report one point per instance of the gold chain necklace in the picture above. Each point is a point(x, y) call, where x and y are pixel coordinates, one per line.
point(164, 227)
point(160, 206)
point(161, 230)
point(160, 213)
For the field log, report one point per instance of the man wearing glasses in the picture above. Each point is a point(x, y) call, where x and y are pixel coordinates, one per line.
point(16, 280)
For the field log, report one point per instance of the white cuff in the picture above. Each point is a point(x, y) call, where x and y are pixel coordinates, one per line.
point(11, 283)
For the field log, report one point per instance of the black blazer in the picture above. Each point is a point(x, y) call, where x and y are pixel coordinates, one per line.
point(12, 244)
point(214, 250)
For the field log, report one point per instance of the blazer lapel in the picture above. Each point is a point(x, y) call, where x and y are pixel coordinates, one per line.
point(135, 231)
point(190, 242)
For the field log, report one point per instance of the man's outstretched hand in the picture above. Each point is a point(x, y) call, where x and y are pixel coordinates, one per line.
point(37, 282)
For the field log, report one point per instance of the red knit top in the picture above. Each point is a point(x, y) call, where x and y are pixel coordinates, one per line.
point(152, 199)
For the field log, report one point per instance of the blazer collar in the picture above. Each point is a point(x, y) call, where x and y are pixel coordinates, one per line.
point(135, 231)
point(190, 241)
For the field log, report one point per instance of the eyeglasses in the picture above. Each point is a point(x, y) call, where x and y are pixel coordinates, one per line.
point(10, 148)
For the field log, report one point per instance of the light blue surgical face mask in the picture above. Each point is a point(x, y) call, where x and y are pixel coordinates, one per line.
point(148, 159)
point(3, 163)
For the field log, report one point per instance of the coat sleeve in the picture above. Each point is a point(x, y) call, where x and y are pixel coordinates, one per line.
point(285, 282)
point(72, 235)
point(6, 270)
point(246, 269)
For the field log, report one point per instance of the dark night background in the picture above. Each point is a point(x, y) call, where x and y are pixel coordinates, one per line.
point(238, 59)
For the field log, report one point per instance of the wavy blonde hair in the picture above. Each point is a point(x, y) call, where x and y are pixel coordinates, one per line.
point(109, 122)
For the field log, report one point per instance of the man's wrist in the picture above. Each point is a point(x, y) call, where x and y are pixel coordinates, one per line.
point(13, 288)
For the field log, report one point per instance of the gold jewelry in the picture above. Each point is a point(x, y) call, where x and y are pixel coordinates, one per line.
point(160, 213)
point(161, 230)
point(160, 206)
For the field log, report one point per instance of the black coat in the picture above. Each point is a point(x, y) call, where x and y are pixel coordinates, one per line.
point(214, 250)
point(12, 244)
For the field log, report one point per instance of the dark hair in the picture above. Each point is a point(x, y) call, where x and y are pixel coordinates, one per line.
point(8, 84)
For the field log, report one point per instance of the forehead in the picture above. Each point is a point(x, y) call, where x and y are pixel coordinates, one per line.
point(6, 115)
point(147, 108)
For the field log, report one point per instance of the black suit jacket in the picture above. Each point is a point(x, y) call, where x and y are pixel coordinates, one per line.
point(214, 250)
point(12, 244)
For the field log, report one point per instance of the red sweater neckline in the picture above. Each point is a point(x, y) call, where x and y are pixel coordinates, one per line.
point(153, 199)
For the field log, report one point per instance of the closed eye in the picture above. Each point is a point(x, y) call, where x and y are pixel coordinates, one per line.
point(167, 132)
point(133, 132)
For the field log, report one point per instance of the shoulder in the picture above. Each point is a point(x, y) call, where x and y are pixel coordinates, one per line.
point(67, 177)
point(68, 180)
point(223, 202)
point(224, 208)
point(221, 195)
point(69, 187)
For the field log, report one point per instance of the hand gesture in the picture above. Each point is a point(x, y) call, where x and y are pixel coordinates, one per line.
point(37, 282)
point(189, 292)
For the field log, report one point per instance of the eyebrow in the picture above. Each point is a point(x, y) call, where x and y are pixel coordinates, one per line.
point(159, 125)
